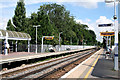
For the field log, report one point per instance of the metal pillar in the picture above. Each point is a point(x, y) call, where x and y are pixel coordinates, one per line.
point(83, 44)
point(110, 42)
point(16, 46)
point(59, 41)
point(106, 43)
point(12, 46)
point(116, 36)
point(116, 40)
point(42, 45)
point(36, 40)
point(5, 44)
point(71, 41)
point(28, 46)
point(116, 50)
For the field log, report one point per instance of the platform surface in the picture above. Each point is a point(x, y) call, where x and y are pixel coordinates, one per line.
point(19, 56)
point(97, 67)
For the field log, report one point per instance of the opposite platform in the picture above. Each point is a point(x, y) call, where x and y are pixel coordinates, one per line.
point(19, 56)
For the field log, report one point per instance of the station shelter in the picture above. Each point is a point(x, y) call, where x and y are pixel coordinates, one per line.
point(13, 35)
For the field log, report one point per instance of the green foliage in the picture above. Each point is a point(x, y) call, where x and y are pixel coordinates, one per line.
point(53, 19)
point(10, 26)
point(19, 19)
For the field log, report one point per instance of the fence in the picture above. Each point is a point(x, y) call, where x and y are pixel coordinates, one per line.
point(24, 47)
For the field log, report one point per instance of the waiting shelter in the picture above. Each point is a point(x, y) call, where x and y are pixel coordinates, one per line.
point(13, 35)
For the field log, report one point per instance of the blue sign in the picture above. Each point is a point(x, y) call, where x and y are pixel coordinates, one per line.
point(105, 25)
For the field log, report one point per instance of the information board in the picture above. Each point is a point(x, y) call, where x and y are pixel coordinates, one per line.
point(107, 33)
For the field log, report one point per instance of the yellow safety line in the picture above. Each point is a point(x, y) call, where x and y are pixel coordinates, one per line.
point(91, 68)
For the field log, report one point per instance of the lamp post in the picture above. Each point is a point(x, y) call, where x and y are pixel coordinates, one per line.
point(116, 36)
point(59, 39)
point(36, 36)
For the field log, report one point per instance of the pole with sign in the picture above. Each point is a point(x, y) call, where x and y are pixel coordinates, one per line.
point(116, 67)
point(47, 38)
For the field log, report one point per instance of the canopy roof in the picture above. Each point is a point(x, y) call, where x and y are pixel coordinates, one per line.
point(13, 35)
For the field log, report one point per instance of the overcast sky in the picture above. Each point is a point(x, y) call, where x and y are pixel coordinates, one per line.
point(90, 12)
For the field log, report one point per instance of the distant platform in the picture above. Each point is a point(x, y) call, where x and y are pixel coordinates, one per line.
point(19, 56)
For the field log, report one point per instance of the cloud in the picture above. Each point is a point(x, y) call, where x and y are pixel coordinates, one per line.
point(103, 20)
point(110, 4)
point(94, 26)
point(8, 3)
point(86, 21)
point(91, 5)
point(84, 3)
point(3, 23)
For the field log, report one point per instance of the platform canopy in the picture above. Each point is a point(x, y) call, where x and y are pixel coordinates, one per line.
point(13, 35)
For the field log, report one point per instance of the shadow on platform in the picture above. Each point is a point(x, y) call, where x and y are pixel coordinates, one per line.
point(104, 69)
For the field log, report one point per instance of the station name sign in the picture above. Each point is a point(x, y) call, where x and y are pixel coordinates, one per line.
point(105, 25)
point(49, 38)
point(107, 33)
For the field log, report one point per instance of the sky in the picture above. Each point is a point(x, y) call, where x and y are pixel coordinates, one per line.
point(90, 12)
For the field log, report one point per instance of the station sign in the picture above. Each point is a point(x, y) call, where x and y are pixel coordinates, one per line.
point(107, 33)
point(105, 25)
point(49, 38)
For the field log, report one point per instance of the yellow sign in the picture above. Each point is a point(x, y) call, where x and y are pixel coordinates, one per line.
point(107, 33)
point(49, 38)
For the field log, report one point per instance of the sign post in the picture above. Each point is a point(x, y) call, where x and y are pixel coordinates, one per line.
point(47, 38)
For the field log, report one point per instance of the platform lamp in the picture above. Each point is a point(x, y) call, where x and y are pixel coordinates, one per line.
point(36, 35)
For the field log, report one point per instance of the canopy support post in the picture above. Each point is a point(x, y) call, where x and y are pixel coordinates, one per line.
point(5, 47)
point(5, 44)
point(28, 45)
point(16, 46)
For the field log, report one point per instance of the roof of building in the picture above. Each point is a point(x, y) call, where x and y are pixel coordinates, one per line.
point(13, 35)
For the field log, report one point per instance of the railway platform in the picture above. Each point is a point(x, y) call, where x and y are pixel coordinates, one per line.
point(19, 56)
point(95, 67)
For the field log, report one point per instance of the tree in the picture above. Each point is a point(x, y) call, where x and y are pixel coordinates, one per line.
point(53, 19)
point(46, 28)
point(19, 19)
point(59, 18)
point(32, 20)
point(92, 37)
point(10, 26)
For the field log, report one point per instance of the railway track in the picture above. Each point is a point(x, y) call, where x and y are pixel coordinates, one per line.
point(54, 68)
